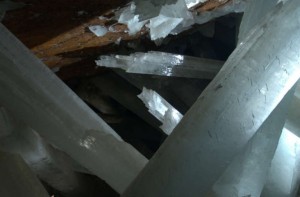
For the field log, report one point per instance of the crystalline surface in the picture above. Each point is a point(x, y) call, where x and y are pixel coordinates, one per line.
point(37, 97)
point(228, 113)
point(164, 64)
point(283, 180)
point(17, 179)
point(98, 30)
point(161, 109)
point(247, 174)
point(254, 13)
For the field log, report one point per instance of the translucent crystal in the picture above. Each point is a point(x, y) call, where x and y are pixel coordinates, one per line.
point(255, 12)
point(284, 175)
point(98, 30)
point(38, 98)
point(247, 174)
point(161, 109)
point(49, 164)
point(229, 111)
point(164, 64)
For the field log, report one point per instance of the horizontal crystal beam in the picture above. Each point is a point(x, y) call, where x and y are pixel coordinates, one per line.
point(164, 64)
point(38, 98)
point(228, 113)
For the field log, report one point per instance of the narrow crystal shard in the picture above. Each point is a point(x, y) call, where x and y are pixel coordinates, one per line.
point(164, 64)
point(17, 179)
point(228, 113)
point(161, 109)
point(247, 174)
point(38, 98)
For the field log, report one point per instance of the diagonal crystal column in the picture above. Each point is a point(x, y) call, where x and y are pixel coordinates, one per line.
point(254, 13)
point(17, 179)
point(225, 117)
point(37, 97)
point(247, 174)
point(284, 174)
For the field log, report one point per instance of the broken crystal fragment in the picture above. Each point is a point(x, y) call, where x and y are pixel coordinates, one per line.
point(98, 30)
point(38, 98)
point(164, 64)
point(170, 16)
point(228, 112)
point(161, 109)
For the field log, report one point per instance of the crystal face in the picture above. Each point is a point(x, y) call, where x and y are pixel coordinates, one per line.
point(161, 109)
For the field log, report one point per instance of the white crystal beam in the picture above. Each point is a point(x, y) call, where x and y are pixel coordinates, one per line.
point(247, 174)
point(225, 117)
point(163, 64)
point(37, 97)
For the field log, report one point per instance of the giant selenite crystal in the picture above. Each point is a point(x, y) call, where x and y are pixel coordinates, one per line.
point(228, 113)
point(284, 175)
point(17, 179)
point(164, 64)
point(38, 98)
point(247, 174)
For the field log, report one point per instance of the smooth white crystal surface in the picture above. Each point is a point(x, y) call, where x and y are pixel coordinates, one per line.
point(164, 64)
point(98, 30)
point(161, 109)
